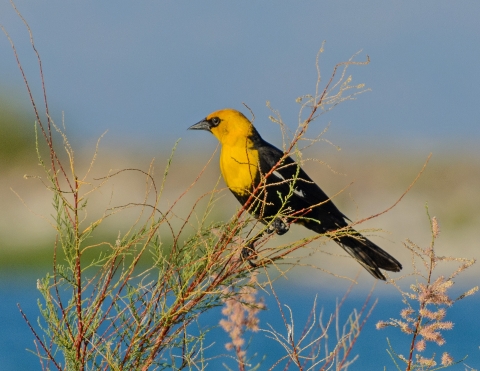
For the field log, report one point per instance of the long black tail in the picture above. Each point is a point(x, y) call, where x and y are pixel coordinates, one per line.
point(369, 255)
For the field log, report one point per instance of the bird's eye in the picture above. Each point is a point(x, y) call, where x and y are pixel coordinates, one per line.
point(215, 121)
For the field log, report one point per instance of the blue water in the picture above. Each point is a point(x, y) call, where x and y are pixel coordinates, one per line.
point(18, 286)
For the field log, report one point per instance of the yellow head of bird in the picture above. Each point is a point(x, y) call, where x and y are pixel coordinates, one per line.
point(228, 125)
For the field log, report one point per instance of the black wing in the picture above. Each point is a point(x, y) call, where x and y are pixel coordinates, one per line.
point(305, 194)
point(289, 188)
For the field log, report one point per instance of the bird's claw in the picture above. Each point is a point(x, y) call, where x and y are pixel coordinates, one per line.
point(249, 253)
point(278, 226)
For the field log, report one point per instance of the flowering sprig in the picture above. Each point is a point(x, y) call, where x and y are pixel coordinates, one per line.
point(426, 305)
point(241, 309)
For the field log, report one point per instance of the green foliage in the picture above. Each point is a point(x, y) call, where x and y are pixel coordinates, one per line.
point(110, 313)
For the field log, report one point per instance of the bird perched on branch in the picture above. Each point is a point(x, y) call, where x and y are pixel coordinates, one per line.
point(275, 190)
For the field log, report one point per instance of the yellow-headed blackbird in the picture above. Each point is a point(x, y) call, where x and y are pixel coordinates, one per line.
point(246, 160)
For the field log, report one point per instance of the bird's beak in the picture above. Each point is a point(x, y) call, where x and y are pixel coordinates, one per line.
point(202, 125)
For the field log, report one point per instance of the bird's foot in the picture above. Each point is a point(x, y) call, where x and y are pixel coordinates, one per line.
point(249, 253)
point(279, 227)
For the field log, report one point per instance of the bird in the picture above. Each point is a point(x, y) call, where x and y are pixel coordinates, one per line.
point(285, 195)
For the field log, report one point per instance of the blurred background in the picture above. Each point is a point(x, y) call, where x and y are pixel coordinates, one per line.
point(144, 72)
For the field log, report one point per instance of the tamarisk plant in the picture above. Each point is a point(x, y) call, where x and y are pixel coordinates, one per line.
point(426, 304)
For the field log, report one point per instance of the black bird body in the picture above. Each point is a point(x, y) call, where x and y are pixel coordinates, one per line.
point(288, 191)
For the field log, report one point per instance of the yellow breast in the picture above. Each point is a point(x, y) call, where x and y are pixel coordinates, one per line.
point(239, 166)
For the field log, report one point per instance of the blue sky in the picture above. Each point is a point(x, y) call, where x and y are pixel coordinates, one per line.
point(148, 70)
